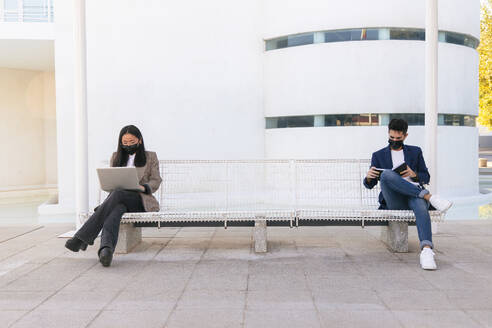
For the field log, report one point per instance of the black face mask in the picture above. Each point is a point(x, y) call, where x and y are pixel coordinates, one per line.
point(395, 144)
point(130, 149)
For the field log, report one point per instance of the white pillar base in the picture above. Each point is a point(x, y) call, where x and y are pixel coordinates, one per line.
point(260, 236)
point(435, 227)
point(395, 235)
point(129, 237)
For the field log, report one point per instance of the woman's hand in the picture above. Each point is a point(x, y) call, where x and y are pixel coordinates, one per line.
point(142, 188)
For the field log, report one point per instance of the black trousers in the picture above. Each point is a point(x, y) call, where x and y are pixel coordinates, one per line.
point(107, 218)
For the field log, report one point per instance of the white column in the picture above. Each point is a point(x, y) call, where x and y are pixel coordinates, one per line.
point(2, 12)
point(80, 97)
point(48, 7)
point(431, 35)
point(20, 10)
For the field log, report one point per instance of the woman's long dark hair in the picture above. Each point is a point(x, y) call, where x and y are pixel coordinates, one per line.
point(121, 158)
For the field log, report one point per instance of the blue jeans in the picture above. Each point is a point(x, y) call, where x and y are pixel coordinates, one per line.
point(400, 194)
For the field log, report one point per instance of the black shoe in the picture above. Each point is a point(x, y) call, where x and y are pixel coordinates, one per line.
point(74, 244)
point(105, 256)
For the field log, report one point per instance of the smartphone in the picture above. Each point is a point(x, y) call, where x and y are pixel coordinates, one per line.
point(379, 172)
point(400, 168)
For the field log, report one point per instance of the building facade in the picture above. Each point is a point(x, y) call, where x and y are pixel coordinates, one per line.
point(265, 79)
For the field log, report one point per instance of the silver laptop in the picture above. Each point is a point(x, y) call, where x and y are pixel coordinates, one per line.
point(111, 178)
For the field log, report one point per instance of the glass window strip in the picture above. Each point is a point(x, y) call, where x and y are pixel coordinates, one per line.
point(366, 119)
point(368, 34)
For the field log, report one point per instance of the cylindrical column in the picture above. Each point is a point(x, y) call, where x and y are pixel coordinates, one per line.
point(48, 7)
point(431, 35)
point(80, 98)
point(20, 10)
point(2, 12)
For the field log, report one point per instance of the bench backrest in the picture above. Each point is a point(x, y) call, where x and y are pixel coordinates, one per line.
point(263, 184)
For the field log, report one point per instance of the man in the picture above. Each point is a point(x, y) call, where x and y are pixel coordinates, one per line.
point(404, 190)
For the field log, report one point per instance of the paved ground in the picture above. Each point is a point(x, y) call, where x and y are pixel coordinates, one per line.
point(208, 277)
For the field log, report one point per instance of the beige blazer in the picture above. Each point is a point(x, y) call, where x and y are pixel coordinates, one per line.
point(150, 175)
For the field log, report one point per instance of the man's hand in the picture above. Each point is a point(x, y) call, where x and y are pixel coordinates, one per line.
point(372, 174)
point(408, 173)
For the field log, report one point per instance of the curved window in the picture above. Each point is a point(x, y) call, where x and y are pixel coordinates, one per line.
point(364, 120)
point(26, 11)
point(367, 34)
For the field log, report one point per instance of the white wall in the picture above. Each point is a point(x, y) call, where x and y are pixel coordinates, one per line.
point(27, 107)
point(363, 77)
point(191, 73)
point(283, 17)
point(370, 77)
point(50, 147)
point(457, 149)
point(187, 73)
point(27, 31)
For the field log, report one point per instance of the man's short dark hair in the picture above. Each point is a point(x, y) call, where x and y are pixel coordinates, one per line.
point(398, 124)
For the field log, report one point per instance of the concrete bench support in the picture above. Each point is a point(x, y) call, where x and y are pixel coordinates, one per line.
point(260, 236)
point(395, 235)
point(129, 237)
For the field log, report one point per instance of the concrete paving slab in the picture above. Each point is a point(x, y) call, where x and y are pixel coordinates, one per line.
point(321, 266)
point(51, 276)
point(471, 299)
point(326, 254)
point(348, 299)
point(209, 317)
point(312, 276)
point(162, 276)
point(271, 318)
point(218, 282)
point(216, 252)
point(130, 319)
point(280, 300)
point(277, 282)
point(8, 317)
point(144, 299)
point(219, 299)
point(452, 280)
point(56, 319)
point(483, 317)
point(14, 270)
point(480, 269)
point(391, 282)
point(22, 300)
point(80, 300)
point(327, 282)
point(392, 268)
point(179, 254)
point(435, 319)
point(283, 266)
point(407, 300)
point(358, 318)
point(7, 233)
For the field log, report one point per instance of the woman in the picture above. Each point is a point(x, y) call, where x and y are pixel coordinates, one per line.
point(107, 216)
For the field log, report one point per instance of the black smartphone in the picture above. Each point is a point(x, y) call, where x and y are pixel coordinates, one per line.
point(379, 172)
point(400, 168)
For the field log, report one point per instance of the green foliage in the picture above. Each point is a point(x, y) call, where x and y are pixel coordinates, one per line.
point(485, 53)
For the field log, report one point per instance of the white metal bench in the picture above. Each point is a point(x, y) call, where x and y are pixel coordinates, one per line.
point(262, 193)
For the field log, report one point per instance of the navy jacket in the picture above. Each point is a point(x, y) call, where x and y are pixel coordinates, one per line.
point(413, 157)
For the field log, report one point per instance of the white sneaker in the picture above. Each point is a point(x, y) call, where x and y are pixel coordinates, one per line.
point(440, 204)
point(427, 261)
